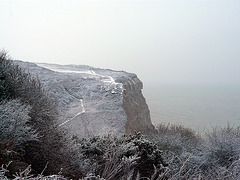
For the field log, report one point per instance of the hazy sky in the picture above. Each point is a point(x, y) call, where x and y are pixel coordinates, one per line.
point(168, 42)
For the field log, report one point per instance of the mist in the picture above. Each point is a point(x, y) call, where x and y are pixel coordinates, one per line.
point(163, 42)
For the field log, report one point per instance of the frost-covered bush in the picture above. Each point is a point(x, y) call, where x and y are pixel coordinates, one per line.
point(180, 150)
point(14, 122)
point(222, 146)
point(216, 156)
point(176, 139)
point(4, 89)
point(53, 147)
point(119, 155)
point(15, 83)
point(230, 172)
point(26, 174)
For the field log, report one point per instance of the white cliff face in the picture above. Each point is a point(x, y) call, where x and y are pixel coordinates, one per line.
point(90, 100)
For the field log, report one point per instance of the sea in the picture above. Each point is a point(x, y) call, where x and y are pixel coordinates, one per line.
point(197, 107)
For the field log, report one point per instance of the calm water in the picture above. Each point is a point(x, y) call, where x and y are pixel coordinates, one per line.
point(197, 108)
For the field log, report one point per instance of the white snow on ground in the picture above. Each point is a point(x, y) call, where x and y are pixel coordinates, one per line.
point(71, 71)
point(108, 80)
point(83, 111)
point(93, 72)
point(51, 67)
point(111, 82)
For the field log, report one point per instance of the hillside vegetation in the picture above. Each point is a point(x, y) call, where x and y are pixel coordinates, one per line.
point(33, 147)
point(29, 135)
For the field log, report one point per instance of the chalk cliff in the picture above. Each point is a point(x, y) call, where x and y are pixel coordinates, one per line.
point(93, 101)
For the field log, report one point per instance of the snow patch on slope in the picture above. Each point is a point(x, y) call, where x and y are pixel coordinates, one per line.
point(109, 82)
point(81, 112)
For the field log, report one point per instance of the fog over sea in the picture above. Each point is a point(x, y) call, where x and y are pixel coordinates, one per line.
point(199, 108)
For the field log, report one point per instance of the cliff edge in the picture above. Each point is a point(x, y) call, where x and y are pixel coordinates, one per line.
point(93, 101)
point(136, 108)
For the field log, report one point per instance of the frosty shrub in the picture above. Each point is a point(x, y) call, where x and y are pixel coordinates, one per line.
point(14, 119)
point(121, 157)
point(176, 138)
point(222, 146)
point(3, 87)
point(53, 147)
point(216, 156)
point(26, 174)
point(180, 149)
point(15, 83)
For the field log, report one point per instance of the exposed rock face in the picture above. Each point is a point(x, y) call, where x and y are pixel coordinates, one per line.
point(94, 101)
point(135, 106)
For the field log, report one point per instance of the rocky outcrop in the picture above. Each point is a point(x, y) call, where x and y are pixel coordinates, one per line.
point(93, 101)
point(135, 106)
